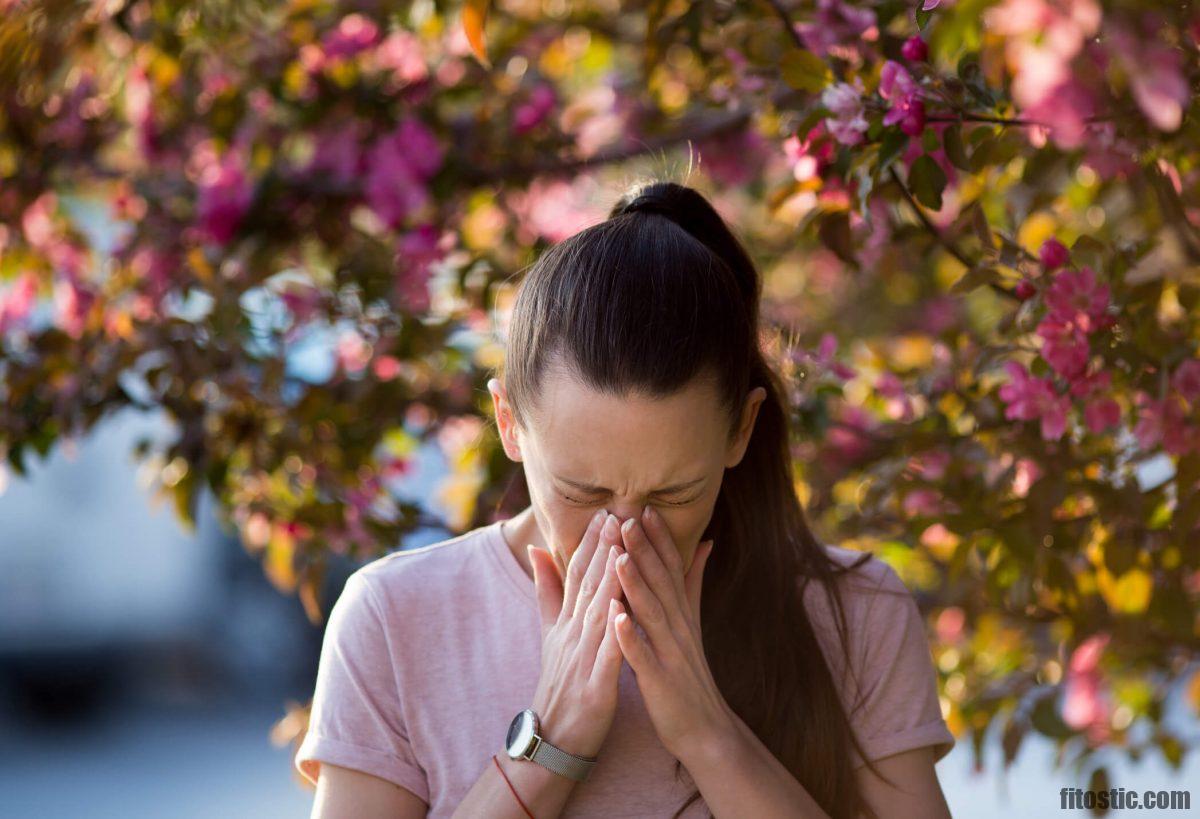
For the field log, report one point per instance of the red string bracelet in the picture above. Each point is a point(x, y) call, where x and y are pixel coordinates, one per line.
point(510, 787)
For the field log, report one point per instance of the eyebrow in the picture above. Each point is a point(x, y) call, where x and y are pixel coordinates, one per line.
point(591, 488)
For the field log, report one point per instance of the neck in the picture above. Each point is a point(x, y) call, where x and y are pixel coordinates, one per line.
point(522, 529)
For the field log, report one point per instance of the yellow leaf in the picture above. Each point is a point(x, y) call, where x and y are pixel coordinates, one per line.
point(278, 564)
point(474, 14)
point(1127, 594)
point(1193, 691)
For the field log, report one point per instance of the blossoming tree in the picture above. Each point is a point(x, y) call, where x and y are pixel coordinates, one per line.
point(990, 208)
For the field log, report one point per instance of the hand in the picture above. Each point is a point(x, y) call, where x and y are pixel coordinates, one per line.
point(672, 672)
point(576, 696)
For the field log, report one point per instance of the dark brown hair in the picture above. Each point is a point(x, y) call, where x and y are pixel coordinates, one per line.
point(658, 294)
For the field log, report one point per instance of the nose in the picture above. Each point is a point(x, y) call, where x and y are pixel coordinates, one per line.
point(623, 511)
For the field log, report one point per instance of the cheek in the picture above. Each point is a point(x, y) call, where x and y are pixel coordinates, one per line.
point(564, 526)
point(686, 526)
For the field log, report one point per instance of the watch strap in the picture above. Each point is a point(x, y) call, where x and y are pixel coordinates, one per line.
point(562, 763)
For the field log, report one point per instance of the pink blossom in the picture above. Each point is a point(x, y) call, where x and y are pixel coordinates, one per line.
point(387, 367)
point(1030, 399)
point(940, 313)
point(1077, 297)
point(223, 197)
point(403, 53)
point(848, 442)
point(844, 101)
point(417, 251)
point(1187, 379)
point(735, 157)
point(1053, 254)
point(1085, 700)
point(1065, 346)
point(1090, 384)
point(810, 155)
point(914, 49)
point(950, 624)
point(398, 166)
point(534, 111)
point(352, 352)
point(1101, 413)
point(923, 502)
point(931, 465)
point(1156, 76)
point(898, 87)
point(17, 302)
point(37, 221)
point(899, 404)
point(72, 303)
point(337, 151)
point(1062, 114)
point(823, 357)
point(834, 23)
point(1026, 474)
point(1165, 421)
point(354, 33)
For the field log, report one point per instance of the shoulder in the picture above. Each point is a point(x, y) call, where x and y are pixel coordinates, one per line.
point(430, 572)
point(880, 611)
point(866, 582)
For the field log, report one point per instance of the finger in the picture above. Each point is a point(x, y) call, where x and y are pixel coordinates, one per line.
point(665, 584)
point(548, 584)
point(594, 618)
point(608, 657)
point(646, 607)
point(633, 646)
point(579, 560)
point(694, 581)
point(659, 535)
point(610, 535)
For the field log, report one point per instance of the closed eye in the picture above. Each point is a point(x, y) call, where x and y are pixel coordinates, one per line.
point(665, 503)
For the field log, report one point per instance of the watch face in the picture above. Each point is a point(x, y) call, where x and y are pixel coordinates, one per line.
point(520, 734)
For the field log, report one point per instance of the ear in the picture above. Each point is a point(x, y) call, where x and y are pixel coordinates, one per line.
point(737, 447)
point(505, 422)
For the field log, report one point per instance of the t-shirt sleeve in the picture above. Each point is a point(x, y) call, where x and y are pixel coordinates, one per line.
point(899, 707)
point(356, 719)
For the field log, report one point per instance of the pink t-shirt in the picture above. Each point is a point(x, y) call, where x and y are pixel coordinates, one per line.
point(429, 653)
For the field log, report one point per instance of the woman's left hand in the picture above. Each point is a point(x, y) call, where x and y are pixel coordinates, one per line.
point(682, 698)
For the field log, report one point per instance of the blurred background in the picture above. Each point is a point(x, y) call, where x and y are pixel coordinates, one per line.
point(256, 263)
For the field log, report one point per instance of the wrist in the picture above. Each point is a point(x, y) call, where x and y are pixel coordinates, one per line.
point(720, 741)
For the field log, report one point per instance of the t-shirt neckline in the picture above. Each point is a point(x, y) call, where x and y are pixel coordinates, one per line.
point(509, 565)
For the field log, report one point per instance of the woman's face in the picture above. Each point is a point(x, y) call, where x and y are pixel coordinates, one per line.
point(589, 450)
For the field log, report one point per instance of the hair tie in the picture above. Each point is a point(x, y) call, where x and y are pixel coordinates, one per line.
point(651, 204)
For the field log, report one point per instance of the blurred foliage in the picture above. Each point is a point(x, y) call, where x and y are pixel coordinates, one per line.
point(296, 227)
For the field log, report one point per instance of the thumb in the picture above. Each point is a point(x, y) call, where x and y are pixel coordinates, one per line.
point(548, 584)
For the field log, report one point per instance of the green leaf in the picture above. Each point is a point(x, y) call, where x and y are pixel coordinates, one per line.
point(923, 18)
point(955, 152)
point(893, 144)
point(929, 140)
point(975, 277)
point(927, 181)
point(804, 70)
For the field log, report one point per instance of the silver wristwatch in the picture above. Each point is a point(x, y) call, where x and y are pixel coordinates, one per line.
point(524, 742)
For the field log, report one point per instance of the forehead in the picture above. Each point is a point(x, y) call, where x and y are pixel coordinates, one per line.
point(587, 434)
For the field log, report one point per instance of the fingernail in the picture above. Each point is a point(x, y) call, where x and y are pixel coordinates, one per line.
point(627, 526)
point(599, 514)
point(612, 605)
point(623, 560)
point(647, 512)
point(611, 521)
point(612, 550)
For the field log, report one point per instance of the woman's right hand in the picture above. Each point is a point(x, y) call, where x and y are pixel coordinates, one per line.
point(576, 696)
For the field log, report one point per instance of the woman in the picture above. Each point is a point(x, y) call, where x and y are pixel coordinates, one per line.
point(684, 643)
